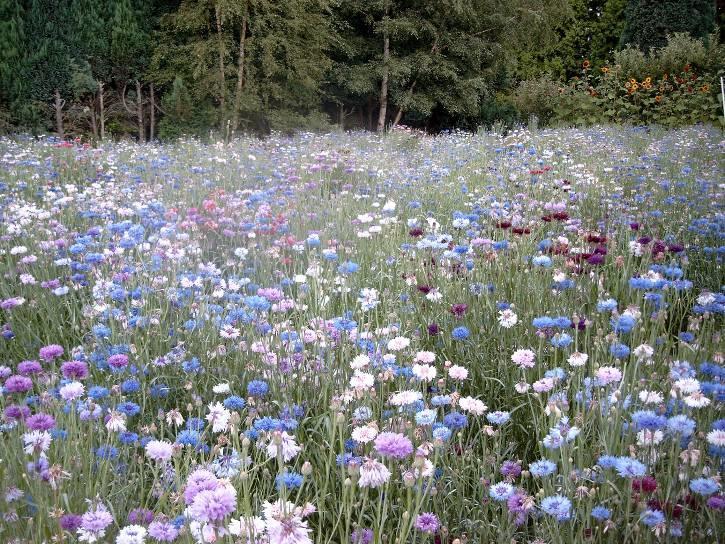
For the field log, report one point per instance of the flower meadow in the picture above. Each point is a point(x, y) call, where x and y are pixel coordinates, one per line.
point(356, 339)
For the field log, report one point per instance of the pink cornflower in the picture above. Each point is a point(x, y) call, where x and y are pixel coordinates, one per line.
point(213, 505)
point(523, 358)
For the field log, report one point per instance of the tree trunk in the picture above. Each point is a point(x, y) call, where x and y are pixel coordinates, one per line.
point(59, 103)
point(139, 112)
point(101, 110)
point(384, 84)
point(152, 118)
point(371, 109)
point(94, 120)
point(220, 45)
point(240, 74)
point(399, 115)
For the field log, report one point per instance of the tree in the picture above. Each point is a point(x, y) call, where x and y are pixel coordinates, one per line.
point(435, 62)
point(648, 22)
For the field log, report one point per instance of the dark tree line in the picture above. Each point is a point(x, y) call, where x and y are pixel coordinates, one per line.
point(164, 68)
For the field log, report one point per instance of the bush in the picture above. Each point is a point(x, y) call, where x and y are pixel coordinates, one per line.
point(537, 97)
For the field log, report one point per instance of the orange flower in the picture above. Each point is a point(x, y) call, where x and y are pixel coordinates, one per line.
point(705, 88)
point(605, 69)
point(658, 98)
point(586, 64)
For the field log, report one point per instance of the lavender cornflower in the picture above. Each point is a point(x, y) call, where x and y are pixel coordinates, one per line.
point(394, 445)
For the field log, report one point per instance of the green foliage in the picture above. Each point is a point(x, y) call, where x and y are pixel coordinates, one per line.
point(649, 22)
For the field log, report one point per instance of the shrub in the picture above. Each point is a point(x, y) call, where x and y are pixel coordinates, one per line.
point(537, 97)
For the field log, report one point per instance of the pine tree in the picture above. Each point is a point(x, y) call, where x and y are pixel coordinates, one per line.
point(12, 63)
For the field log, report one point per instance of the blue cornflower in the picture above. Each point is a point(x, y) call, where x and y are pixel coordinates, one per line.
point(622, 324)
point(681, 424)
point(460, 333)
point(542, 261)
point(97, 392)
point(652, 517)
point(188, 438)
point(425, 417)
point(561, 340)
point(234, 402)
point(557, 506)
point(619, 351)
point(257, 388)
point(130, 386)
point(267, 424)
point(607, 305)
point(647, 419)
point(704, 486)
point(127, 437)
point(630, 468)
point(129, 408)
point(601, 513)
point(455, 420)
point(288, 480)
point(501, 491)
point(362, 413)
point(498, 418)
point(540, 469)
point(107, 452)
point(195, 424)
point(348, 267)
point(440, 400)
point(442, 433)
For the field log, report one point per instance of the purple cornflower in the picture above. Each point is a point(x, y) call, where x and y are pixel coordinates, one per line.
point(10, 303)
point(70, 522)
point(511, 470)
point(74, 370)
point(394, 445)
point(15, 411)
point(716, 502)
point(40, 422)
point(140, 516)
point(427, 522)
point(48, 353)
point(519, 505)
point(18, 384)
point(361, 536)
point(27, 368)
point(119, 360)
